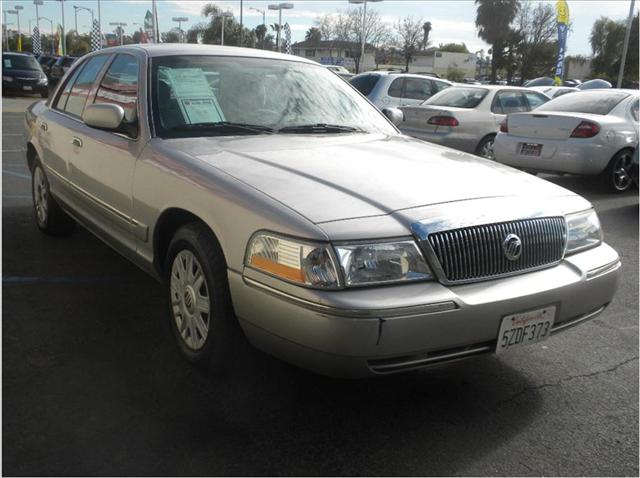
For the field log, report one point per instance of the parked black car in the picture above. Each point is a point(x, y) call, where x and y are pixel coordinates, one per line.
point(46, 62)
point(60, 67)
point(21, 73)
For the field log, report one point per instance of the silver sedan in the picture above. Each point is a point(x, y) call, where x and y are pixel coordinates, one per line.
point(467, 117)
point(593, 132)
point(274, 201)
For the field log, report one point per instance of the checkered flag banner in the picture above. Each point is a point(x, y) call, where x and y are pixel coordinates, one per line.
point(96, 40)
point(287, 39)
point(36, 41)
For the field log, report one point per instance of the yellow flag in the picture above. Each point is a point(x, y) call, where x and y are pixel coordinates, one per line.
point(19, 42)
point(562, 10)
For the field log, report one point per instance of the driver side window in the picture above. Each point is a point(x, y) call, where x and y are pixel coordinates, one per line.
point(119, 86)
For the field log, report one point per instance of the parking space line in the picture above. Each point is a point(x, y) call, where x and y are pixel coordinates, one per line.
point(13, 150)
point(56, 280)
point(17, 175)
point(16, 196)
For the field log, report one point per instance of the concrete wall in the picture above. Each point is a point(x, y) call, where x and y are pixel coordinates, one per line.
point(577, 70)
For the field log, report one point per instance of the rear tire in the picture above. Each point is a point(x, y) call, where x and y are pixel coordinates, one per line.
point(485, 148)
point(49, 216)
point(616, 178)
point(200, 308)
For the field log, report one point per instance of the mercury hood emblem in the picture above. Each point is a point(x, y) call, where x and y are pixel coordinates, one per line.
point(512, 247)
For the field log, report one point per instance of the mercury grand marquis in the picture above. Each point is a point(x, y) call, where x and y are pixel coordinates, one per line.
point(273, 200)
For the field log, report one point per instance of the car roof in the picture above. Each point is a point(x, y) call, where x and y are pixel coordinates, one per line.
point(16, 53)
point(490, 87)
point(171, 49)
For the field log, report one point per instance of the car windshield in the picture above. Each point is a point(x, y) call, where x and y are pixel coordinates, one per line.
point(228, 95)
point(458, 97)
point(364, 83)
point(19, 62)
point(597, 103)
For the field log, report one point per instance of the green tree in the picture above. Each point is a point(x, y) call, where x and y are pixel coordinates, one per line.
point(607, 40)
point(261, 33)
point(493, 20)
point(455, 74)
point(313, 35)
point(536, 48)
point(453, 47)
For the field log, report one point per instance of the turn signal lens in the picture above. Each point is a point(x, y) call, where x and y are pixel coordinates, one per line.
point(504, 126)
point(583, 231)
point(294, 261)
point(443, 121)
point(586, 129)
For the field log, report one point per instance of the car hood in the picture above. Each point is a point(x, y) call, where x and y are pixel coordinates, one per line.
point(333, 177)
point(23, 73)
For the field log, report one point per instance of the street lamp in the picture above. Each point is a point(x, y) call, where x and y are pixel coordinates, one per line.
point(75, 13)
point(280, 7)
point(51, 22)
point(120, 30)
point(17, 10)
point(362, 32)
point(264, 20)
point(179, 20)
point(224, 16)
point(6, 29)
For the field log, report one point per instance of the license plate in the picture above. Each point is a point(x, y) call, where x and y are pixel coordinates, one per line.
point(525, 328)
point(27, 88)
point(530, 149)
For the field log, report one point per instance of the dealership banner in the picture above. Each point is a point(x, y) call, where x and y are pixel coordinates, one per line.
point(36, 43)
point(562, 10)
point(148, 27)
point(60, 47)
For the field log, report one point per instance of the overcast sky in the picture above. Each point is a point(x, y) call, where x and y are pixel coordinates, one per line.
point(452, 21)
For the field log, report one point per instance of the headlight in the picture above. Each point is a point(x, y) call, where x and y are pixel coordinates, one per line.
point(43, 80)
point(382, 263)
point(583, 231)
point(8, 79)
point(301, 262)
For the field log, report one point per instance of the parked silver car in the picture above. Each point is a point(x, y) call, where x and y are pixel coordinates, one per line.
point(286, 203)
point(387, 89)
point(468, 117)
point(593, 132)
point(555, 91)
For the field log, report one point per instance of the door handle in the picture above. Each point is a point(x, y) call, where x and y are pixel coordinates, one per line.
point(44, 126)
point(76, 142)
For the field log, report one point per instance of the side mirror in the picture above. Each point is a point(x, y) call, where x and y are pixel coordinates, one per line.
point(103, 116)
point(395, 115)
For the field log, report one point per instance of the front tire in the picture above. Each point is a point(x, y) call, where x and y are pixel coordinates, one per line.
point(617, 176)
point(200, 308)
point(50, 218)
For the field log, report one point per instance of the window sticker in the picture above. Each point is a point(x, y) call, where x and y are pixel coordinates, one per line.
point(7, 63)
point(195, 97)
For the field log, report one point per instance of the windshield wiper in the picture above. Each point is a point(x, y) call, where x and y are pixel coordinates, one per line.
point(223, 127)
point(319, 128)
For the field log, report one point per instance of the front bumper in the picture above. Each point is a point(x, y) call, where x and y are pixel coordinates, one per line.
point(19, 87)
point(364, 332)
point(573, 156)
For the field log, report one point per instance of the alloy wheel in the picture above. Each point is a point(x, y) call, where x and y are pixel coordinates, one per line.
point(40, 195)
point(190, 299)
point(622, 172)
point(487, 150)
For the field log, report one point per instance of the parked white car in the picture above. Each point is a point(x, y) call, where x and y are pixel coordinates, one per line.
point(555, 91)
point(467, 117)
point(387, 89)
point(590, 133)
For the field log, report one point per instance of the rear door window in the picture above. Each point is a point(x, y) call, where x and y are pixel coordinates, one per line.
point(395, 89)
point(418, 89)
point(507, 102)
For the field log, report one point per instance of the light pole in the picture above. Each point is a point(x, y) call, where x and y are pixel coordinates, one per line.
point(224, 17)
point(179, 20)
point(17, 9)
point(363, 31)
point(264, 20)
point(64, 36)
point(12, 12)
point(241, 26)
point(625, 48)
point(120, 28)
point(51, 22)
point(280, 7)
point(6, 29)
point(75, 12)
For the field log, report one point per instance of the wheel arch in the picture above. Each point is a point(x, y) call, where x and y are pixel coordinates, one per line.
point(166, 227)
point(32, 153)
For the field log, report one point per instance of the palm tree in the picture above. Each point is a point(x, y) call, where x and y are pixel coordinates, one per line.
point(313, 35)
point(426, 28)
point(493, 18)
point(261, 32)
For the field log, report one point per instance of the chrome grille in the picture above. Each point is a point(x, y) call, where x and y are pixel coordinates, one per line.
point(476, 252)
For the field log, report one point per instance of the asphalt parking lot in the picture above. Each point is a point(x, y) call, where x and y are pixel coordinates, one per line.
point(93, 384)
